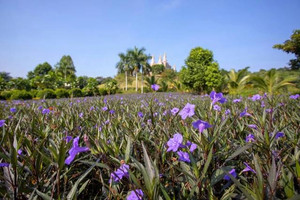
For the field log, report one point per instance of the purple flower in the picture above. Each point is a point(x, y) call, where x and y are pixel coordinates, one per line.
point(193, 147)
point(217, 97)
point(250, 138)
point(296, 96)
point(140, 114)
point(237, 100)
point(244, 113)
point(45, 111)
point(81, 115)
point(135, 195)
point(92, 108)
point(68, 138)
point(217, 108)
point(40, 107)
point(117, 175)
point(279, 135)
point(252, 126)
point(2, 122)
point(248, 168)
point(183, 156)
point(201, 125)
point(112, 112)
point(13, 110)
point(175, 142)
point(174, 111)
point(20, 151)
point(256, 97)
point(232, 172)
point(187, 111)
point(155, 87)
point(262, 104)
point(75, 150)
point(4, 164)
point(269, 110)
point(104, 108)
point(227, 112)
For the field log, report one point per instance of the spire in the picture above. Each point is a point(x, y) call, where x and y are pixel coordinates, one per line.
point(174, 68)
point(152, 61)
point(159, 60)
point(165, 58)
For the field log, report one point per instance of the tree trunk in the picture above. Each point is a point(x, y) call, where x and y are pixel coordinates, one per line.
point(126, 80)
point(142, 86)
point(136, 81)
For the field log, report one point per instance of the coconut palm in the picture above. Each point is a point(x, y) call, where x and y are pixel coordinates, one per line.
point(138, 59)
point(272, 82)
point(237, 80)
point(124, 66)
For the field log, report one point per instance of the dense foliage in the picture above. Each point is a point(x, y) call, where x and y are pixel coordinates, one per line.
point(157, 145)
point(292, 46)
point(201, 72)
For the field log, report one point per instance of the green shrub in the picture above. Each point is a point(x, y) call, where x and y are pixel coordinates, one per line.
point(46, 94)
point(102, 91)
point(6, 94)
point(90, 92)
point(33, 93)
point(20, 94)
point(75, 92)
point(61, 93)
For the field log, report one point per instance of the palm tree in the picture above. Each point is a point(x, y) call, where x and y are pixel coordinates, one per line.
point(138, 59)
point(237, 80)
point(272, 82)
point(124, 66)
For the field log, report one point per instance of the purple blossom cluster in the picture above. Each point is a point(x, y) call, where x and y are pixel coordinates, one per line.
point(175, 143)
point(74, 151)
point(121, 172)
point(217, 97)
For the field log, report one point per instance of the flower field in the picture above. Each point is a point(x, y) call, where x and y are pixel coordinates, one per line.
point(151, 146)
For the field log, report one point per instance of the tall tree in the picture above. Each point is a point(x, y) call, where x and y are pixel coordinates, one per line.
point(138, 59)
point(272, 82)
point(65, 67)
point(124, 66)
point(199, 65)
point(5, 76)
point(292, 46)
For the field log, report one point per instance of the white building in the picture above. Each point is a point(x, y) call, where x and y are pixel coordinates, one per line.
point(162, 62)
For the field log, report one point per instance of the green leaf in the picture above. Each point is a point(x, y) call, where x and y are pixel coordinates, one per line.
point(167, 197)
point(207, 163)
point(43, 195)
point(128, 149)
point(238, 152)
point(272, 179)
point(73, 191)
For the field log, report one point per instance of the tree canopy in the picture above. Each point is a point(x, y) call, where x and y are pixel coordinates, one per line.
point(201, 72)
point(292, 46)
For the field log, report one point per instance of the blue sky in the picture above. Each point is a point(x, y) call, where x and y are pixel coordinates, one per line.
point(93, 32)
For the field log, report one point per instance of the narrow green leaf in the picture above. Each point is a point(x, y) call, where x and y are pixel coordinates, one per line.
point(128, 149)
point(238, 152)
point(73, 191)
point(43, 195)
point(207, 163)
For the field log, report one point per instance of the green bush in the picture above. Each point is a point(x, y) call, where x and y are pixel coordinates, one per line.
point(90, 92)
point(33, 93)
point(102, 91)
point(6, 94)
point(61, 93)
point(75, 92)
point(46, 94)
point(20, 94)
